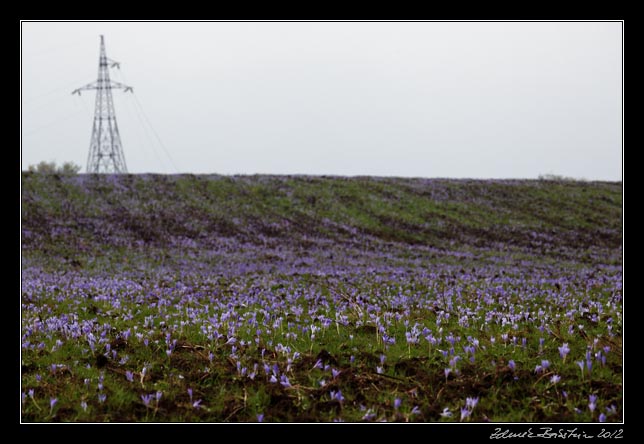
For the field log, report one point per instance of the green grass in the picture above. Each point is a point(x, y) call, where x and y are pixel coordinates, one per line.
point(240, 271)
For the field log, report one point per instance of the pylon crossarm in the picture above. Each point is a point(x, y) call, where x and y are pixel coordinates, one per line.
point(117, 85)
point(114, 63)
point(93, 85)
point(98, 85)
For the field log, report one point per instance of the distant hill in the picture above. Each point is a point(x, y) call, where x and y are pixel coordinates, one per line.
point(71, 215)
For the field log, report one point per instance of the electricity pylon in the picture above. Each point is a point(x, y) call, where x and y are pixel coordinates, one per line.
point(105, 149)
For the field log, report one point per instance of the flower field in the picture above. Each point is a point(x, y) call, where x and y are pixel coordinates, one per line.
point(320, 299)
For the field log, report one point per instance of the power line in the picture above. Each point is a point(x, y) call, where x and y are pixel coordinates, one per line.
point(52, 51)
point(156, 134)
point(55, 122)
point(49, 92)
point(149, 123)
point(141, 127)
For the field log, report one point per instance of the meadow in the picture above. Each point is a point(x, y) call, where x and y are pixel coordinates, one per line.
point(150, 298)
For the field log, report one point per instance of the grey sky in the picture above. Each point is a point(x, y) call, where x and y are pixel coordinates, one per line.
point(424, 99)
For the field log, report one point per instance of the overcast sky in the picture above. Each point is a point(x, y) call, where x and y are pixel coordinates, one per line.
point(417, 99)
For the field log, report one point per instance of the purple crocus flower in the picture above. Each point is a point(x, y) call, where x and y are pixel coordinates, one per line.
point(335, 373)
point(411, 338)
point(465, 413)
point(102, 397)
point(337, 395)
point(599, 356)
point(511, 364)
point(146, 399)
point(602, 417)
point(592, 399)
point(260, 417)
point(369, 416)
point(581, 365)
point(52, 403)
point(471, 402)
point(555, 379)
point(284, 381)
point(397, 403)
point(564, 350)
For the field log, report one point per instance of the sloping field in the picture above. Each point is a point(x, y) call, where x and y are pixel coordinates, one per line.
point(297, 298)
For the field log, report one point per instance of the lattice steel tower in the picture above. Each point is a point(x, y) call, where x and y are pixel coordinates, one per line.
point(105, 149)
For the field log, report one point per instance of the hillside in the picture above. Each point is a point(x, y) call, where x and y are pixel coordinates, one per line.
point(77, 215)
point(305, 299)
